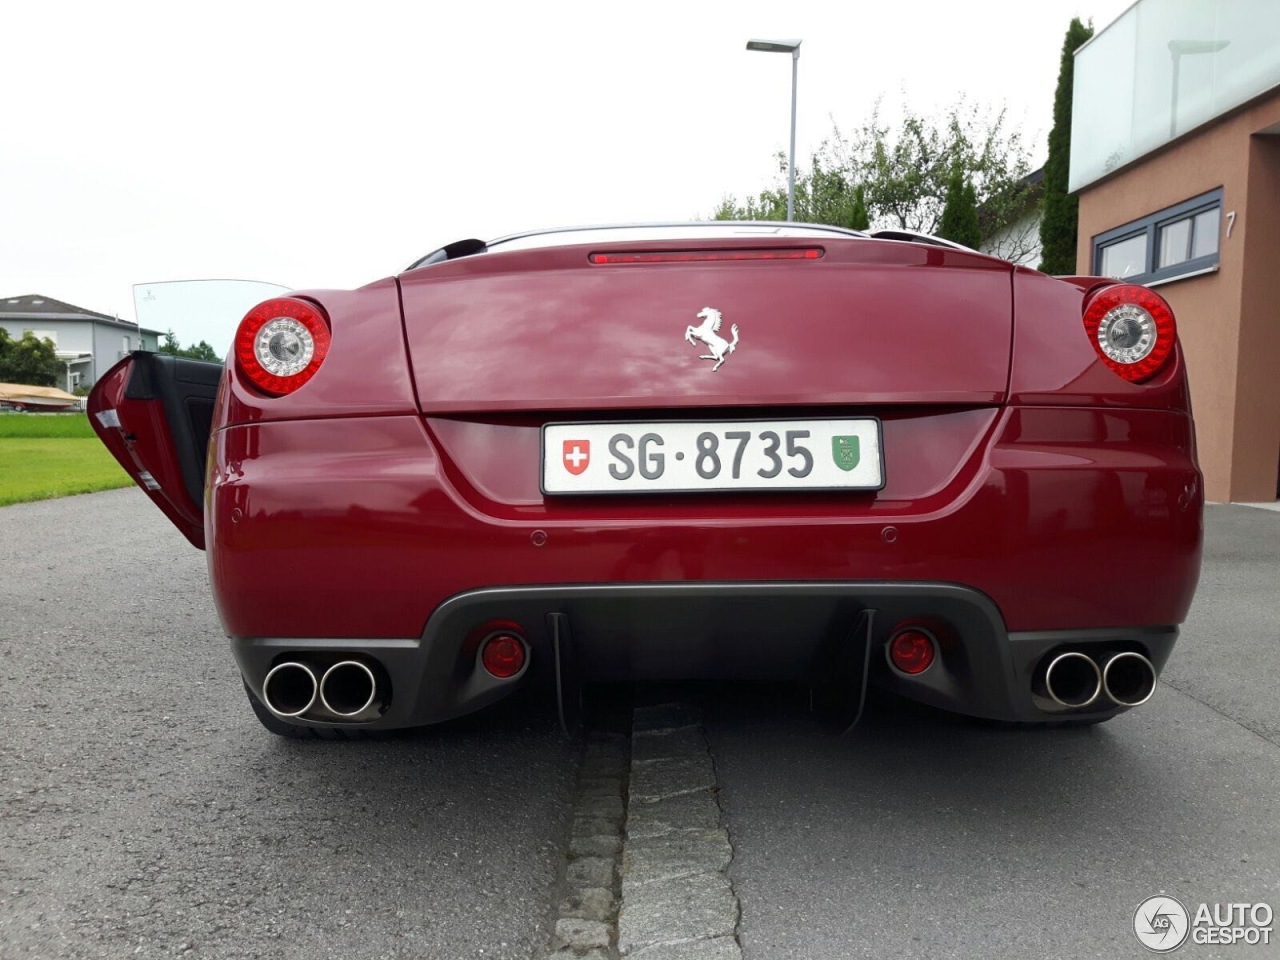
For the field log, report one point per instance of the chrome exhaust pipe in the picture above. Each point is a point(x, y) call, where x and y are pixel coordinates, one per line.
point(1129, 679)
point(290, 689)
point(1072, 680)
point(348, 688)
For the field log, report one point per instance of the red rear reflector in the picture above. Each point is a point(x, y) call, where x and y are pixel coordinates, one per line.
point(503, 655)
point(281, 343)
point(1132, 329)
point(912, 651)
point(702, 256)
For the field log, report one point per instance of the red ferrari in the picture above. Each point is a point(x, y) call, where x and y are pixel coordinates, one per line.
point(684, 451)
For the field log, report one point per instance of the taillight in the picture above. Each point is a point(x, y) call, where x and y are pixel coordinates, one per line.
point(281, 343)
point(1132, 329)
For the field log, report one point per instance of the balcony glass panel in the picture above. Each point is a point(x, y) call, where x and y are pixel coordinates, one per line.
point(1163, 68)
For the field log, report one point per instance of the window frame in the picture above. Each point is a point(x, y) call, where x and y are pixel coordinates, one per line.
point(1150, 226)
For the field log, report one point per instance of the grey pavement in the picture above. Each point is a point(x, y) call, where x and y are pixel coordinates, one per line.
point(144, 812)
point(1228, 656)
point(928, 836)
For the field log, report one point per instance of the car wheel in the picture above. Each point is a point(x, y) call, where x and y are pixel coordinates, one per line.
point(296, 731)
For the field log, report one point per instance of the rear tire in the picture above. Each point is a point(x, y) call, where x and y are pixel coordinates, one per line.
point(296, 731)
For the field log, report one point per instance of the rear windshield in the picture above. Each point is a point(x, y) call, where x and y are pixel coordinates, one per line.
point(711, 230)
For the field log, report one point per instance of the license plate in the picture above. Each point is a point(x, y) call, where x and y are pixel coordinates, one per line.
point(682, 456)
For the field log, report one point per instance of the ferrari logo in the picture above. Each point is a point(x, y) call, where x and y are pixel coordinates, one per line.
point(844, 450)
point(709, 333)
point(577, 455)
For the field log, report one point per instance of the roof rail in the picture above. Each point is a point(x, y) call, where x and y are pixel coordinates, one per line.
point(911, 236)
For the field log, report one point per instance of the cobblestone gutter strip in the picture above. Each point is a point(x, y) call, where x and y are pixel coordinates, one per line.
point(586, 923)
point(677, 902)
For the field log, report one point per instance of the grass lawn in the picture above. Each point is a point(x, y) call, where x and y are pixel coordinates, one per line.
point(46, 425)
point(53, 456)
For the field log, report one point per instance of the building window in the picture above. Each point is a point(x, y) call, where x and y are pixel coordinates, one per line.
point(1175, 242)
point(128, 346)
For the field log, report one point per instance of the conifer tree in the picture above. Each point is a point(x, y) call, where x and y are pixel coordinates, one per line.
point(1058, 225)
point(959, 221)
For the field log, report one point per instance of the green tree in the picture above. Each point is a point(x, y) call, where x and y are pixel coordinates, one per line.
point(860, 216)
point(1059, 222)
point(170, 344)
point(823, 195)
point(201, 351)
point(959, 221)
point(29, 361)
point(902, 170)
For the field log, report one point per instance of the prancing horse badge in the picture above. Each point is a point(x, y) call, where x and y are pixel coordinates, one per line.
point(709, 333)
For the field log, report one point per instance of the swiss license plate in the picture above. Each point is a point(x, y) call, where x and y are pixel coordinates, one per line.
point(682, 456)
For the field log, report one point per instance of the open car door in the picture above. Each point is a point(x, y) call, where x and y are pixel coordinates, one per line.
point(154, 412)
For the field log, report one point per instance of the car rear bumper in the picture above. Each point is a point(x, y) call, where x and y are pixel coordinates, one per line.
point(361, 527)
point(779, 631)
point(1053, 529)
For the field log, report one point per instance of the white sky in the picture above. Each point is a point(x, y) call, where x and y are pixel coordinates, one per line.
point(327, 145)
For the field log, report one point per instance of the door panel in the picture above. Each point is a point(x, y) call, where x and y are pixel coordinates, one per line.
point(154, 412)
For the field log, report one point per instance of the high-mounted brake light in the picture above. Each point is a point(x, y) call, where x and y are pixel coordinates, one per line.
point(1132, 328)
point(701, 256)
point(281, 343)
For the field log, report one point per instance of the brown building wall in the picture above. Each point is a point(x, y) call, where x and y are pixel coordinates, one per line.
point(1257, 411)
point(1228, 321)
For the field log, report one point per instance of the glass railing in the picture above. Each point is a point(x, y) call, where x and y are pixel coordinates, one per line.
point(1163, 68)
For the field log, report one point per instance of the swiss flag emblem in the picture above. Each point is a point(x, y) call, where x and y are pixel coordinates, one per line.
point(577, 454)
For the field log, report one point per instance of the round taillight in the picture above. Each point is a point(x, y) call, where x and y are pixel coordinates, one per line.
point(503, 655)
point(912, 651)
point(281, 343)
point(1132, 328)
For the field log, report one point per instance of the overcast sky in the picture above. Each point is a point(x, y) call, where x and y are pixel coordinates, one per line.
point(327, 145)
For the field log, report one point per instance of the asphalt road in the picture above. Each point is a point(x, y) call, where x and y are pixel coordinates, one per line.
point(924, 836)
point(144, 812)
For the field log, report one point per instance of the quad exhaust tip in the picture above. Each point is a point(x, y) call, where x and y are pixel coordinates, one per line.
point(1073, 680)
point(1129, 679)
point(290, 689)
point(348, 688)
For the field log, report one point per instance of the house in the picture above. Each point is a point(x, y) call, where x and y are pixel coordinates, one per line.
point(88, 343)
point(1175, 158)
point(1019, 239)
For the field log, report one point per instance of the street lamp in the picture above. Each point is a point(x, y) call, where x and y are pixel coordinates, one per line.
point(792, 47)
point(1178, 49)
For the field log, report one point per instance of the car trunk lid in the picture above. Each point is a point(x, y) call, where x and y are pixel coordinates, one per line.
point(861, 322)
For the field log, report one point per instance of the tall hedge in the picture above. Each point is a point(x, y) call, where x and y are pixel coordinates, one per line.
point(1058, 225)
point(960, 213)
point(859, 215)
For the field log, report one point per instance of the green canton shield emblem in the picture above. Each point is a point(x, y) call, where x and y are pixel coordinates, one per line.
point(844, 450)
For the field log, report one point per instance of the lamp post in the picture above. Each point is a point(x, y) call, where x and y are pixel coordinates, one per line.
point(792, 47)
point(1178, 49)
